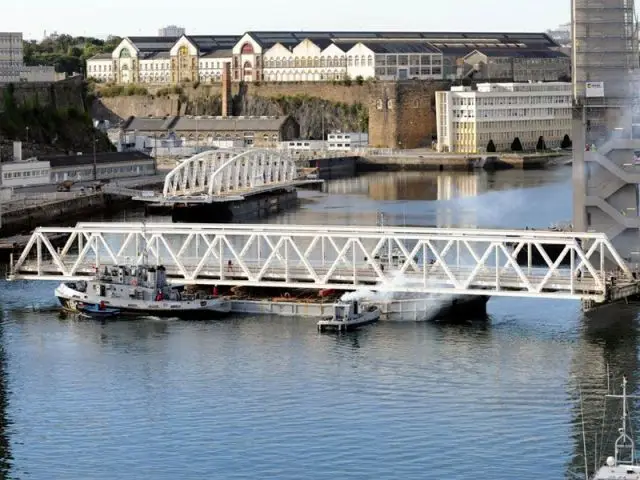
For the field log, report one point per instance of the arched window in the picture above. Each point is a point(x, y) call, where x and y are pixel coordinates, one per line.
point(322, 61)
point(125, 53)
point(297, 62)
point(247, 49)
point(329, 62)
point(370, 61)
point(278, 62)
point(350, 61)
point(316, 62)
point(303, 62)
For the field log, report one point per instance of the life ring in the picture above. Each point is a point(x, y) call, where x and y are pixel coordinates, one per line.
point(134, 282)
point(286, 295)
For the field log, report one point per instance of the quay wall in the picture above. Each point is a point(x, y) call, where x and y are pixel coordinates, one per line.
point(444, 162)
point(63, 212)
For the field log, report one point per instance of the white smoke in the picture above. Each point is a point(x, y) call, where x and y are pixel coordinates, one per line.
point(387, 292)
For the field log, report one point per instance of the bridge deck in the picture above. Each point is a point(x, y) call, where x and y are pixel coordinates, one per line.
point(231, 196)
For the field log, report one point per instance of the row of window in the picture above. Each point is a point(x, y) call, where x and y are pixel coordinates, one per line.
point(511, 100)
point(27, 173)
point(410, 71)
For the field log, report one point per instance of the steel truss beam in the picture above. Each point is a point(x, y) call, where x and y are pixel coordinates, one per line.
point(419, 260)
point(224, 172)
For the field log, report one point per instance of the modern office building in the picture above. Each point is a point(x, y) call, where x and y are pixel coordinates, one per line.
point(328, 56)
point(171, 31)
point(467, 119)
point(12, 67)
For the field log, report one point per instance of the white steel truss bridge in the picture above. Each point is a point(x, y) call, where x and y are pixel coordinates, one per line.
point(409, 260)
point(225, 175)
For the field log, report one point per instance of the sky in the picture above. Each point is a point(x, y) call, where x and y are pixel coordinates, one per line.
point(144, 17)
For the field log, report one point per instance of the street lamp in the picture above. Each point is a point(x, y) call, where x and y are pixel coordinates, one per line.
point(95, 163)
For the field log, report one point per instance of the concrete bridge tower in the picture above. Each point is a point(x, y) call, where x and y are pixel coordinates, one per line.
point(606, 178)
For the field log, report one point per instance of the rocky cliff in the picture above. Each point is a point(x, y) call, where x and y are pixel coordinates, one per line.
point(395, 114)
point(47, 118)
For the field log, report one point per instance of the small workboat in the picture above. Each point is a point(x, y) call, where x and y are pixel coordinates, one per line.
point(348, 316)
point(98, 311)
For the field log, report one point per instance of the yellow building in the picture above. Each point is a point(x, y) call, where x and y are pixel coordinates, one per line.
point(468, 120)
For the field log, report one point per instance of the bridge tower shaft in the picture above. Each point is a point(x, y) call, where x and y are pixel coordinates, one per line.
point(605, 175)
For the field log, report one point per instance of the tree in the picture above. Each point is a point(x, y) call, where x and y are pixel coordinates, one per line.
point(541, 145)
point(516, 145)
point(566, 142)
point(491, 147)
point(66, 53)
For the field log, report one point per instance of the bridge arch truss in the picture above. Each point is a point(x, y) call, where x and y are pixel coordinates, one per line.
point(224, 172)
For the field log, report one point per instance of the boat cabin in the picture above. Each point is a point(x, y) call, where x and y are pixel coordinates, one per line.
point(345, 311)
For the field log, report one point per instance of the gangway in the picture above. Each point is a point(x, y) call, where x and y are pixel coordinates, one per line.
point(431, 260)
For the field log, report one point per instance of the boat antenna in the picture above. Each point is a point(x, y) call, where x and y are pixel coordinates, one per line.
point(624, 442)
point(145, 252)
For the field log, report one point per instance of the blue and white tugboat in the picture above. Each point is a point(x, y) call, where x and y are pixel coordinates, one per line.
point(348, 316)
point(623, 465)
point(138, 290)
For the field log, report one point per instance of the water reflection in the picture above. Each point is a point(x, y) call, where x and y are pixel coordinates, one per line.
point(6, 458)
point(507, 199)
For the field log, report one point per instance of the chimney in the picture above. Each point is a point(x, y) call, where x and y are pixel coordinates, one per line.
point(226, 89)
point(17, 151)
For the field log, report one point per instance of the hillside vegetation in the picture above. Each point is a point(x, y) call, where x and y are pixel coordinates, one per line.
point(66, 53)
point(45, 128)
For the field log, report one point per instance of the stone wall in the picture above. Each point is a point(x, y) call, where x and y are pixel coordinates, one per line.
point(401, 114)
point(61, 95)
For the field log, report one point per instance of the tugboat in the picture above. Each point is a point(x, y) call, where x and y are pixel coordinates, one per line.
point(348, 316)
point(139, 290)
point(622, 466)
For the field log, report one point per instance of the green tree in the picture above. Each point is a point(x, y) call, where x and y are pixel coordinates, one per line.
point(516, 145)
point(66, 53)
point(491, 147)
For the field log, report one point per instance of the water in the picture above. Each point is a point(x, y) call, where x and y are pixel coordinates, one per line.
point(270, 398)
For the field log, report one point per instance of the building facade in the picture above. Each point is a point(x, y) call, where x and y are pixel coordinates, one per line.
point(329, 56)
point(11, 56)
point(211, 131)
point(12, 67)
point(467, 120)
point(171, 31)
point(108, 166)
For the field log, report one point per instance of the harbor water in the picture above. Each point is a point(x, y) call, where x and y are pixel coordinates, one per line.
point(260, 397)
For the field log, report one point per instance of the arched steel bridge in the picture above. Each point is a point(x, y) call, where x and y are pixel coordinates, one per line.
point(228, 174)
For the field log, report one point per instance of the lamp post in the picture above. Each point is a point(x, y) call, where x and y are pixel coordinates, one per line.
point(95, 163)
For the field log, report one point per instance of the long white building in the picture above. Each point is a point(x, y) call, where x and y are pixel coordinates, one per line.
point(328, 56)
point(467, 120)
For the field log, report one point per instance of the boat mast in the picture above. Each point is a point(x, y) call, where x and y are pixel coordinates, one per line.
point(624, 442)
